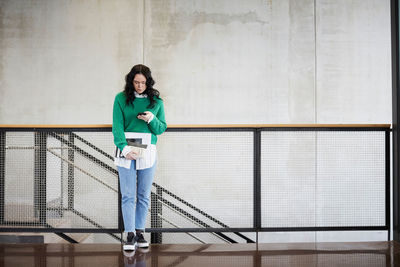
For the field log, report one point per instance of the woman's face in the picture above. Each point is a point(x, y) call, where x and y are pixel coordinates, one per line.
point(139, 83)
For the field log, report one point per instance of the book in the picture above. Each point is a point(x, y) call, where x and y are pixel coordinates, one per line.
point(135, 144)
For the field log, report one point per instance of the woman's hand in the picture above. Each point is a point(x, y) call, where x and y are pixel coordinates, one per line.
point(131, 155)
point(146, 117)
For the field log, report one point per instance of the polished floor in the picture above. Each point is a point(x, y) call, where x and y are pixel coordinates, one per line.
point(294, 254)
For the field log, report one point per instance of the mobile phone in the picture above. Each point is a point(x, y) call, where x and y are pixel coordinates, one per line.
point(141, 113)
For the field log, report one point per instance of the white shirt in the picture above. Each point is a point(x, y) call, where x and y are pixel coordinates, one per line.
point(149, 156)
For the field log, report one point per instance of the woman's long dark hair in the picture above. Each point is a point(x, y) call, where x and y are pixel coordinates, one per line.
point(130, 90)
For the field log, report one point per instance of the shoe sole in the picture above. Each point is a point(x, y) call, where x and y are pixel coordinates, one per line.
point(142, 245)
point(129, 247)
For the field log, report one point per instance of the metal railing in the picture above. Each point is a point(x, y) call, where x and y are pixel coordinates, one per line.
point(205, 219)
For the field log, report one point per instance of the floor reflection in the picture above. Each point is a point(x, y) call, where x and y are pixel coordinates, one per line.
point(136, 258)
point(295, 254)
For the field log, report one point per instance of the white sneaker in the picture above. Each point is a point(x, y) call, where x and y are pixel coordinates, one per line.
point(129, 246)
point(130, 243)
point(140, 241)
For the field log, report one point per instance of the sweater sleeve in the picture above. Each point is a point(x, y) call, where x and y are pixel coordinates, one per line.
point(158, 125)
point(118, 125)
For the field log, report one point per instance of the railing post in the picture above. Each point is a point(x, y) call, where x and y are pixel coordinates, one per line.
point(395, 31)
point(40, 177)
point(2, 173)
point(71, 178)
point(387, 181)
point(156, 221)
point(120, 219)
point(257, 181)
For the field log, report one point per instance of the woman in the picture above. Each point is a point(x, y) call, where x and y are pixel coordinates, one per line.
point(138, 117)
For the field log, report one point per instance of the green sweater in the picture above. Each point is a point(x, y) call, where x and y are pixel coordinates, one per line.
point(125, 119)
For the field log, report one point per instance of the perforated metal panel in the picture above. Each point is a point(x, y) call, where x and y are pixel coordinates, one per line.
point(54, 180)
point(351, 179)
point(19, 199)
point(213, 171)
point(323, 178)
point(288, 179)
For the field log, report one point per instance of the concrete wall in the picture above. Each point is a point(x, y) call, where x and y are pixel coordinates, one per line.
point(63, 61)
point(275, 61)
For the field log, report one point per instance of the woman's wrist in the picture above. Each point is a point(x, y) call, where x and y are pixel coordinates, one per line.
point(151, 117)
point(126, 150)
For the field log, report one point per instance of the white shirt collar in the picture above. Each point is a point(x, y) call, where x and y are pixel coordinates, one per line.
point(140, 95)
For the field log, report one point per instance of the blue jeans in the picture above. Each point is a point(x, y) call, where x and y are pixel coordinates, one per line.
point(134, 211)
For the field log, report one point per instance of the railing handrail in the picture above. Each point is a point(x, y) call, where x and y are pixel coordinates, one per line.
point(172, 126)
